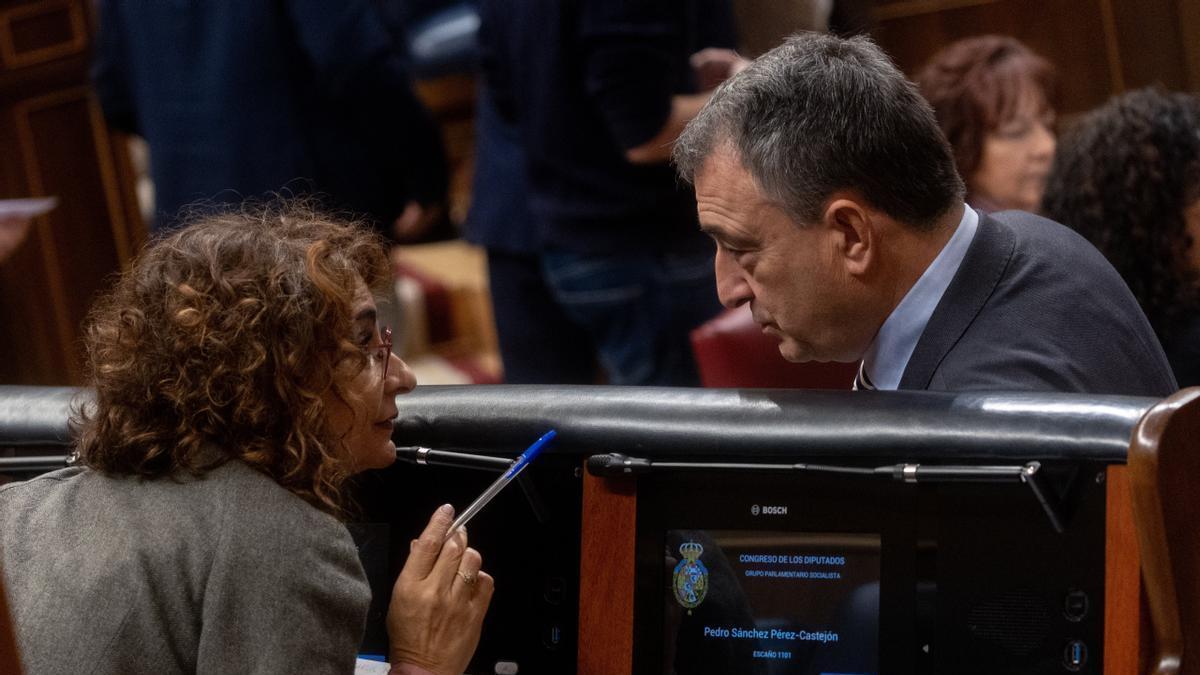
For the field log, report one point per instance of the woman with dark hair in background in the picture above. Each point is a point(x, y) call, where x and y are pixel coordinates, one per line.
point(993, 99)
point(1127, 177)
point(240, 379)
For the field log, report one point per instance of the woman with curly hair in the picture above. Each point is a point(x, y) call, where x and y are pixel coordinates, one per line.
point(240, 379)
point(993, 99)
point(1127, 177)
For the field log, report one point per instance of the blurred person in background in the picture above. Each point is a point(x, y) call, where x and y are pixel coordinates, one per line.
point(1127, 177)
point(993, 98)
point(597, 92)
point(239, 98)
point(538, 341)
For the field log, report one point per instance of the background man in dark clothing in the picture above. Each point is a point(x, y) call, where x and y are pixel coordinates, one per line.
point(598, 90)
point(238, 98)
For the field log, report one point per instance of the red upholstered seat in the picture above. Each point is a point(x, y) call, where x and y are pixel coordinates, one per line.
point(443, 314)
point(732, 351)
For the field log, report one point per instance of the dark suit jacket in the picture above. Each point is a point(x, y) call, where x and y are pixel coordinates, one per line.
point(583, 82)
point(241, 97)
point(1183, 351)
point(1035, 307)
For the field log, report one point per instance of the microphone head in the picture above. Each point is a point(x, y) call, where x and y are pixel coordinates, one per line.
point(616, 464)
point(408, 454)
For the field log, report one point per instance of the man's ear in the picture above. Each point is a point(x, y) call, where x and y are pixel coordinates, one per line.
point(852, 231)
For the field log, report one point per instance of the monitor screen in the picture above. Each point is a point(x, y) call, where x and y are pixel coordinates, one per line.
point(771, 602)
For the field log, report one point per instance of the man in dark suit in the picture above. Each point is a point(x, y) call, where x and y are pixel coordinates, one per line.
point(596, 91)
point(838, 215)
point(237, 98)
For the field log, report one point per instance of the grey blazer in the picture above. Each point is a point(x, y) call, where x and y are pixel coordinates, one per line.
point(229, 573)
point(1035, 307)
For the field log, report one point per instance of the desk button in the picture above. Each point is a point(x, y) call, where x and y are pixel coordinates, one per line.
point(506, 668)
point(1075, 656)
point(556, 589)
point(1075, 605)
point(552, 636)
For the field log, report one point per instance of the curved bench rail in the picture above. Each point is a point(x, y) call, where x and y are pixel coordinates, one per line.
point(698, 423)
point(679, 422)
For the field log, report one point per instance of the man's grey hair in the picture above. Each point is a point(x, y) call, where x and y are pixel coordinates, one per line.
point(819, 114)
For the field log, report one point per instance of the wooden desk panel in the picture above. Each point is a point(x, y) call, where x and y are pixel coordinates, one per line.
point(606, 576)
point(1125, 616)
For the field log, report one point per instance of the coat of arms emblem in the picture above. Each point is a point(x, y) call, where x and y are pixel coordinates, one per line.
point(690, 580)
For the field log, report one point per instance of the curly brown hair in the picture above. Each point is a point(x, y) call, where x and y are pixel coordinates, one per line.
point(1123, 177)
point(225, 334)
point(975, 86)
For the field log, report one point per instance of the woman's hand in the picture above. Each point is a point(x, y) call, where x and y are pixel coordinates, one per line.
point(439, 600)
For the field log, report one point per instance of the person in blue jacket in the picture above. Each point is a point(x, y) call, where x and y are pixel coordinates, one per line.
point(237, 99)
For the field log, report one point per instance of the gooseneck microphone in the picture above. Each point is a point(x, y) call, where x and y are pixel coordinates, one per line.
point(459, 460)
point(615, 464)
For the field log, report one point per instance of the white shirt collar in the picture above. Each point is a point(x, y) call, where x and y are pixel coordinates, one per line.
point(888, 355)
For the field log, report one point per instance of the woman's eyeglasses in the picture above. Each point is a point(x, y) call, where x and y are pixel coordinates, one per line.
point(384, 351)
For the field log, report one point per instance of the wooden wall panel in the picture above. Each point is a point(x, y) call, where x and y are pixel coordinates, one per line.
point(1062, 32)
point(42, 32)
point(60, 143)
point(1100, 47)
point(57, 144)
point(1150, 43)
point(1189, 28)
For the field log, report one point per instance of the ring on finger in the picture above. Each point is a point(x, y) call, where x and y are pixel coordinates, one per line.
point(468, 579)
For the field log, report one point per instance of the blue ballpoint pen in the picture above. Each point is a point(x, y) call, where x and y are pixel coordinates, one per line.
point(494, 489)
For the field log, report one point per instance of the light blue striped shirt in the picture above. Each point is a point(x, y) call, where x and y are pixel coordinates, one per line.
point(888, 355)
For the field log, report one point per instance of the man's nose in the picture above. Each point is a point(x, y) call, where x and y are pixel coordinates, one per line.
point(732, 288)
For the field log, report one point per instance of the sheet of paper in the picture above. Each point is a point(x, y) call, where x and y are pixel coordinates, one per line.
point(27, 208)
point(368, 667)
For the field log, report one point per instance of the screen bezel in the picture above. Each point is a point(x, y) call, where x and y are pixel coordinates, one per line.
point(815, 504)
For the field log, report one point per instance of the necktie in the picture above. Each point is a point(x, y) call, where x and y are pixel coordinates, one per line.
point(861, 381)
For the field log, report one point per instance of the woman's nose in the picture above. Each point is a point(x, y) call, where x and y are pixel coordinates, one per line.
point(400, 378)
point(1045, 140)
